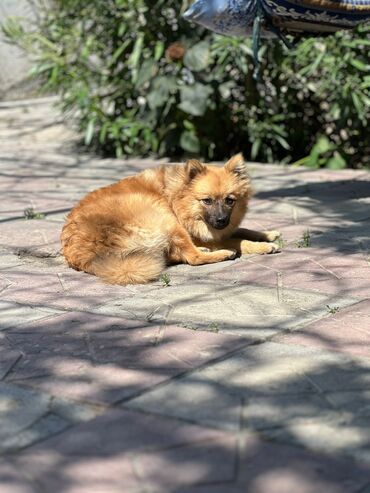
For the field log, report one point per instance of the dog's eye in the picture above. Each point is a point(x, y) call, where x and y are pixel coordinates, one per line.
point(229, 201)
point(207, 201)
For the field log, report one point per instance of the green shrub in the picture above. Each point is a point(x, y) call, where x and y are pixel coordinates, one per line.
point(139, 80)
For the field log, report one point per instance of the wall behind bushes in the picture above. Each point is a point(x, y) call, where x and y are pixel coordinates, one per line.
point(138, 80)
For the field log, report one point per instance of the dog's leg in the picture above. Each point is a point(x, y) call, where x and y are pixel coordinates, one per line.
point(182, 249)
point(246, 246)
point(248, 234)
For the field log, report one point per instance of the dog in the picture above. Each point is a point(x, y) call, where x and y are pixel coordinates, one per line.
point(127, 232)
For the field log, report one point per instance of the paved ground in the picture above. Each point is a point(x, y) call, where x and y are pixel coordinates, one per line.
point(249, 376)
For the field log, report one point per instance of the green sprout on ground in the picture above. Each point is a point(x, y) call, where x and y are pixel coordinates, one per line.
point(214, 327)
point(305, 242)
point(189, 326)
point(332, 309)
point(30, 213)
point(281, 242)
point(165, 279)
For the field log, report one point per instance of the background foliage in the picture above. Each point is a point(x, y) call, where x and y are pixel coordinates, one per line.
point(139, 80)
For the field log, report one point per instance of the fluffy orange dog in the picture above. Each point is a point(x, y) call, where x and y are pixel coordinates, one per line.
point(127, 232)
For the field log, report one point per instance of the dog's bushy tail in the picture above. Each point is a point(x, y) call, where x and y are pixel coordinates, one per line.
point(135, 268)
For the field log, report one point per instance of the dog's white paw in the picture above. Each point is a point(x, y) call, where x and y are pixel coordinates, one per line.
point(272, 235)
point(275, 248)
point(204, 249)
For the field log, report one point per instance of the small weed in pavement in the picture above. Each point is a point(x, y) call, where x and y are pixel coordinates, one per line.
point(30, 213)
point(305, 242)
point(214, 327)
point(190, 327)
point(281, 242)
point(332, 309)
point(165, 279)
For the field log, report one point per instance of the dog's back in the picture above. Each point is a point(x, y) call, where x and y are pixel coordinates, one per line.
point(120, 232)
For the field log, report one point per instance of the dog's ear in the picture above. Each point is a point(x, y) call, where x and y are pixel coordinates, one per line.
point(238, 166)
point(193, 167)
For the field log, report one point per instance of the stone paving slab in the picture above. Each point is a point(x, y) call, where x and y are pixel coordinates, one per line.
point(248, 376)
point(290, 393)
point(12, 481)
point(13, 314)
point(171, 456)
point(312, 269)
point(103, 359)
point(245, 309)
point(347, 331)
point(28, 416)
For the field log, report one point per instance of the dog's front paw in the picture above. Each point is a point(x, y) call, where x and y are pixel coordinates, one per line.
point(228, 254)
point(272, 235)
point(204, 249)
point(274, 248)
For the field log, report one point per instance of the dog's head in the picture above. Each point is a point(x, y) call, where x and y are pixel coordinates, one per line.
point(215, 199)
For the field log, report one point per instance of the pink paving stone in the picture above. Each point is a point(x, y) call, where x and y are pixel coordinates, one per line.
point(348, 331)
point(278, 468)
point(8, 356)
point(35, 234)
point(106, 359)
point(207, 462)
point(102, 451)
point(265, 467)
point(4, 284)
point(12, 481)
point(58, 287)
point(14, 204)
point(310, 269)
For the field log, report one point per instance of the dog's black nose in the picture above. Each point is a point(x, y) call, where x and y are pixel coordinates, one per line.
point(221, 221)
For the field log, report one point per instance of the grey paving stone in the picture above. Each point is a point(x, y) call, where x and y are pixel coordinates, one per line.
point(276, 411)
point(8, 357)
point(266, 467)
point(196, 400)
point(19, 409)
point(73, 411)
point(12, 481)
point(355, 402)
point(341, 437)
point(8, 259)
point(14, 314)
point(101, 359)
point(248, 310)
point(100, 453)
point(272, 388)
point(46, 426)
point(28, 416)
point(208, 462)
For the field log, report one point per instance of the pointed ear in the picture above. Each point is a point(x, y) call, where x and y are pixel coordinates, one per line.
point(238, 166)
point(193, 167)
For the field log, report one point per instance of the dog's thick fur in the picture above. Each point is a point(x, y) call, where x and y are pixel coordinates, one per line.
point(127, 232)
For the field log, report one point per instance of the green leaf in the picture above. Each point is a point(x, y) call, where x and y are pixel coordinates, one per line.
point(284, 144)
point(120, 50)
point(158, 51)
point(194, 99)
point(336, 162)
point(322, 145)
point(103, 132)
point(147, 71)
point(89, 131)
point(360, 65)
point(197, 57)
point(160, 91)
point(189, 142)
point(188, 125)
point(255, 148)
point(136, 52)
